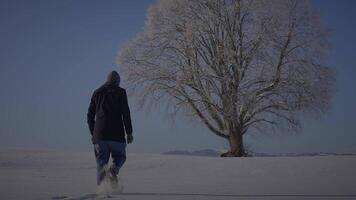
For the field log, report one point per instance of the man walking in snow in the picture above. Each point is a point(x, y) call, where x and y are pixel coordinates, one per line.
point(108, 119)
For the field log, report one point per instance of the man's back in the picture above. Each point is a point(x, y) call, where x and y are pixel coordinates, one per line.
point(108, 120)
point(109, 114)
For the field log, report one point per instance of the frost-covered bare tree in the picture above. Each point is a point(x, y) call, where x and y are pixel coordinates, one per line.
point(236, 65)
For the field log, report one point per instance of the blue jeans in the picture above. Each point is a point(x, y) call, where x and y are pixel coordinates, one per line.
point(102, 150)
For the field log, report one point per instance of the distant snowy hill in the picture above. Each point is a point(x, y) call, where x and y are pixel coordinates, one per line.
point(302, 154)
point(215, 153)
point(204, 152)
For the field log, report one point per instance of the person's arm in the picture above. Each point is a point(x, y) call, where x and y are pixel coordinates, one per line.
point(126, 115)
point(91, 115)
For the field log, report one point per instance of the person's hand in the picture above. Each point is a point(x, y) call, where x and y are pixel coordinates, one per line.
point(129, 138)
point(92, 140)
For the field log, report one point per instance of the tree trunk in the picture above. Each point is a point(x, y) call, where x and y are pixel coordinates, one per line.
point(236, 146)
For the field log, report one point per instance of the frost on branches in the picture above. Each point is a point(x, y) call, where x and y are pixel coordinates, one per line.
point(236, 65)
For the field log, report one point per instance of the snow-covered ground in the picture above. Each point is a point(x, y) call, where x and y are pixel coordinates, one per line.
point(48, 174)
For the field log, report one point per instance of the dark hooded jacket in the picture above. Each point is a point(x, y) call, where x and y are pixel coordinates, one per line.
point(108, 115)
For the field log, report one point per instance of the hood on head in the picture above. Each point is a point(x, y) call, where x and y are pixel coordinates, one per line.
point(113, 78)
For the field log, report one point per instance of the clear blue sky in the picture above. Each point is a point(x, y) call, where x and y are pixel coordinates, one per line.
point(53, 54)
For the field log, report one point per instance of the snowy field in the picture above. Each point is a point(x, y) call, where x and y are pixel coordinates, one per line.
point(48, 174)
